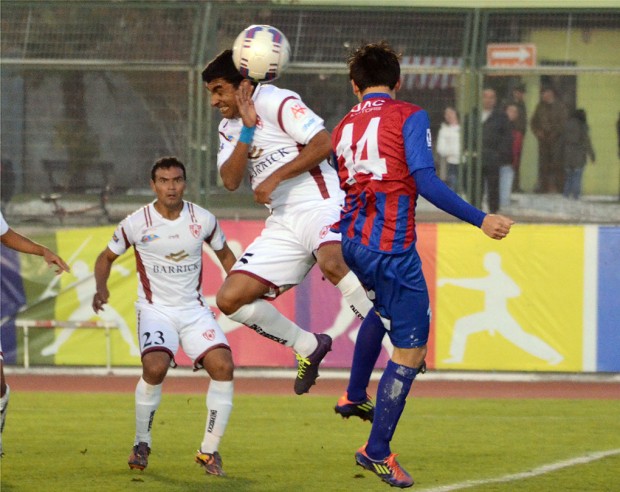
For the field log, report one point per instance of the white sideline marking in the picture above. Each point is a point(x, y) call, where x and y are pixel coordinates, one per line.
point(580, 460)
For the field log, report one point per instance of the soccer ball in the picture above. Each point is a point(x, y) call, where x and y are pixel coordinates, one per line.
point(261, 53)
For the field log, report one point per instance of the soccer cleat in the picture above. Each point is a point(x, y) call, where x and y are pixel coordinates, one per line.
point(212, 463)
point(139, 457)
point(364, 409)
point(308, 367)
point(388, 470)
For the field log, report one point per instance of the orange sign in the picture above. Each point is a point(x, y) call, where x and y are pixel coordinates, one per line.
point(511, 55)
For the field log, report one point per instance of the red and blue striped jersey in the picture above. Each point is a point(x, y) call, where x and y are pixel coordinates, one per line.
point(379, 144)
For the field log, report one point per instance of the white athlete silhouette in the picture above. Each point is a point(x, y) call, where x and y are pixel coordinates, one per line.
point(85, 288)
point(495, 317)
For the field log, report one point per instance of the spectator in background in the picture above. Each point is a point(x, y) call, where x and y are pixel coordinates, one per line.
point(496, 147)
point(576, 147)
point(519, 124)
point(512, 111)
point(547, 124)
point(449, 148)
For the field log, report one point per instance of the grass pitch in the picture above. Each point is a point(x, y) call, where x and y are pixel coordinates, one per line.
point(76, 442)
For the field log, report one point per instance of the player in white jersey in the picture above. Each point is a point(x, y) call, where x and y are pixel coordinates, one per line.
point(269, 134)
point(18, 242)
point(168, 236)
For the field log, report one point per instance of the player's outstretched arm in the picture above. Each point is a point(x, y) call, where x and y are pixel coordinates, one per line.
point(23, 244)
point(496, 226)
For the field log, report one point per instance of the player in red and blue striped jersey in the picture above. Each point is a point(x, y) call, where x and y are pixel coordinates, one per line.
point(384, 159)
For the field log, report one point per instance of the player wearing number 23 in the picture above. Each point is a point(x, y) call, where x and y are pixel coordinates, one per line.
point(167, 237)
point(384, 160)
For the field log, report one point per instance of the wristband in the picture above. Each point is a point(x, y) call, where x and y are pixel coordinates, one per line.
point(247, 134)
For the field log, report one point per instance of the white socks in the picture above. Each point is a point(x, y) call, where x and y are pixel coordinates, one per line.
point(355, 294)
point(148, 398)
point(267, 321)
point(219, 406)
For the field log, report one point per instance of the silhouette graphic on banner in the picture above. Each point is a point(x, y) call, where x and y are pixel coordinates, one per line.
point(495, 317)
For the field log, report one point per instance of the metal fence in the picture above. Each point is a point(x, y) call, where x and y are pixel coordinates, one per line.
point(119, 82)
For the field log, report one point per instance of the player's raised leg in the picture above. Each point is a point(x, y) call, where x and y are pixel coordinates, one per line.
point(240, 299)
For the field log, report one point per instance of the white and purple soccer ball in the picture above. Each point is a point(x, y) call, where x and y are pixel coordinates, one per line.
point(261, 53)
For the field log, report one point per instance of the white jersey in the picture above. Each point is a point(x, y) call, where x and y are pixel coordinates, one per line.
point(285, 125)
point(4, 227)
point(168, 252)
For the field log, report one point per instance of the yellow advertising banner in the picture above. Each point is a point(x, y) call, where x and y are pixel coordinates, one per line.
point(80, 248)
point(510, 305)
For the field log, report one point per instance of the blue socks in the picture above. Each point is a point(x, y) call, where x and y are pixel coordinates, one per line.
point(365, 355)
point(392, 394)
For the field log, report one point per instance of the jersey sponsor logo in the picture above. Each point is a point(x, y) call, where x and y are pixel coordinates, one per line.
point(195, 229)
point(298, 111)
point(115, 238)
point(370, 105)
point(260, 166)
point(209, 335)
point(255, 152)
point(176, 268)
point(181, 255)
point(147, 238)
point(308, 123)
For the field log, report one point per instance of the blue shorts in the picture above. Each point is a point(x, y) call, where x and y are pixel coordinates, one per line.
point(399, 288)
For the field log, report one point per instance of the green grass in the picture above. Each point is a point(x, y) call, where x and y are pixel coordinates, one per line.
point(77, 442)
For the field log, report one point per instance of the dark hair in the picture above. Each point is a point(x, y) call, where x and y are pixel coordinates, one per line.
point(374, 64)
point(580, 114)
point(222, 67)
point(166, 163)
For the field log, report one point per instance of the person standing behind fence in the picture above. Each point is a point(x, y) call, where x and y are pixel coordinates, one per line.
point(384, 159)
point(18, 242)
point(547, 125)
point(507, 183)
point(496, 150)
point(519, 124)
point(576, 147)
point(168, 236)
point(449, 147)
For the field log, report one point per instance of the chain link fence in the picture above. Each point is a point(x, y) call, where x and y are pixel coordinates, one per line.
point(115, 85)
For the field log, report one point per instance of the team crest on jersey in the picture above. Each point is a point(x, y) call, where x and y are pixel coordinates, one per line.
point(209, 335)
point(195, 229)
point(324, 232)
point(298, 111)
point(259, 122)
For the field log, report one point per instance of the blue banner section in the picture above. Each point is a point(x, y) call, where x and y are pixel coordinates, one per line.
point(608, 339)
point(12, 298)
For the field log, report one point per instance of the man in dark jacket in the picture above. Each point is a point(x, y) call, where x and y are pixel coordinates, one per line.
point(496, 145)
point(547, 124)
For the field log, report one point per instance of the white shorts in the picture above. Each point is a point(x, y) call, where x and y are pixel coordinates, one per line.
point(283, 254)
point(162, 329)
